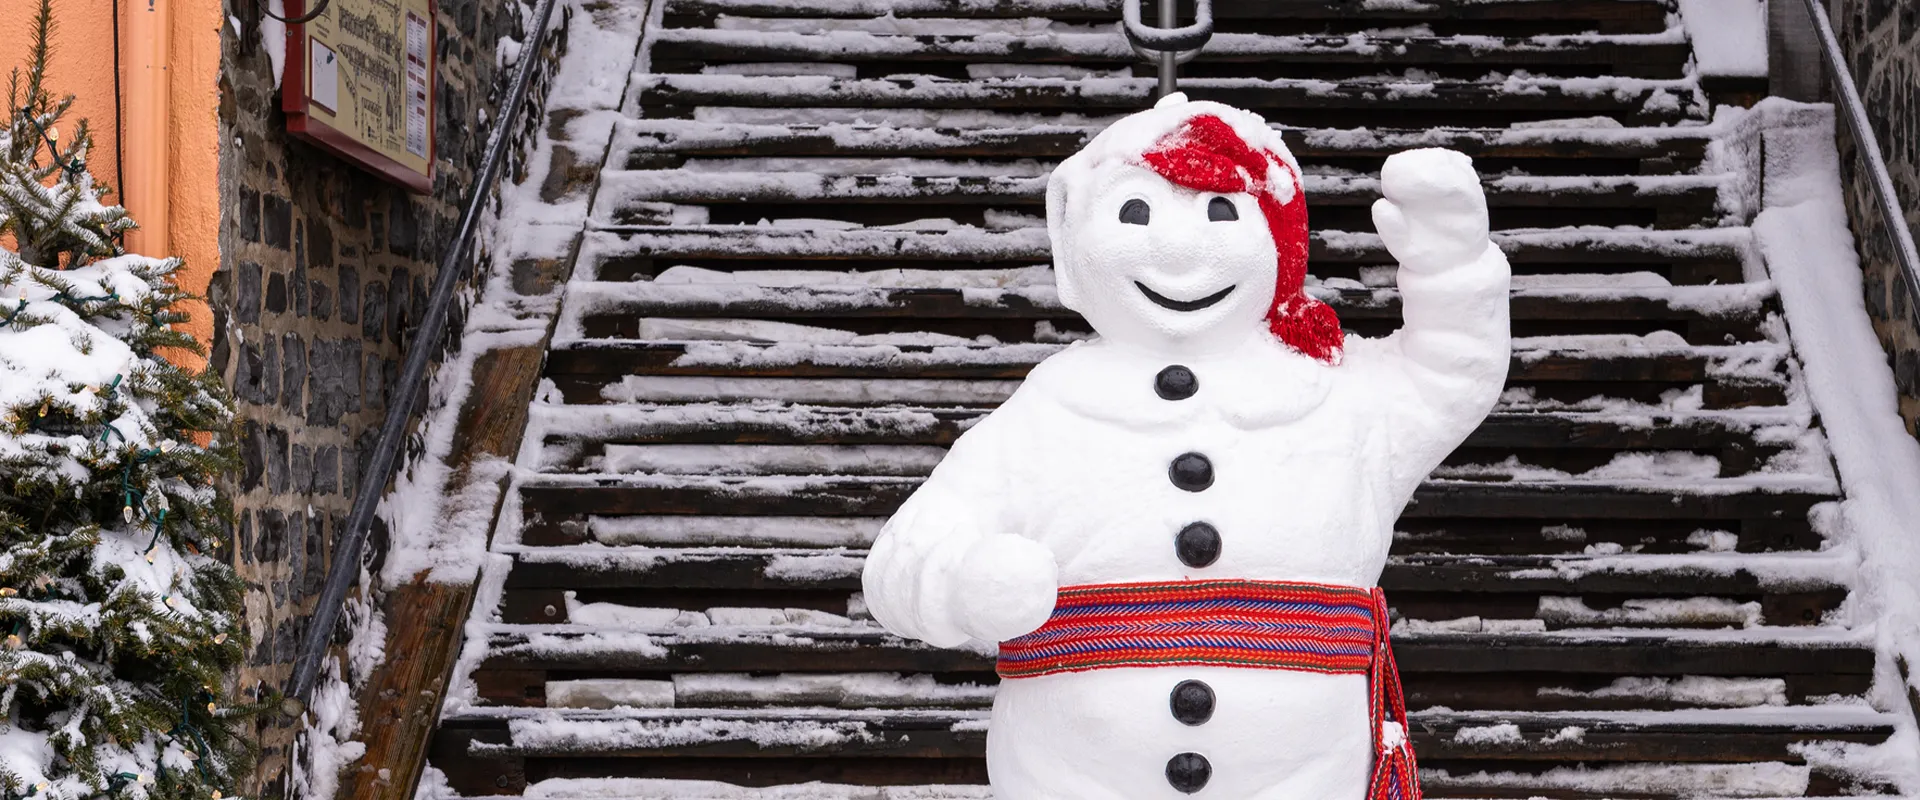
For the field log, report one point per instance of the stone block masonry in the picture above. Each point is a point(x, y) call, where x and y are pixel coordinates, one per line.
point(1881, 39)
point(324, 272)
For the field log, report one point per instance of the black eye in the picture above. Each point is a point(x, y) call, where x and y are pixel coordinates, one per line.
point(1221, 209)
point(1135, 212)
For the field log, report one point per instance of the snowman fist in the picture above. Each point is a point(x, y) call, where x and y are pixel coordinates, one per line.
point(1005, 587)
point(1434, 214)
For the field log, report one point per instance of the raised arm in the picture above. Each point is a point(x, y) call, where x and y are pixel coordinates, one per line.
point(1443, 371)
point(945, 568)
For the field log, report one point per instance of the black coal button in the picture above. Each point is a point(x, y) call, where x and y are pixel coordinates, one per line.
point(1188, 772)
point(1175, 383)
point(1197, 545)
point(1192, 702)
point(1192, 472)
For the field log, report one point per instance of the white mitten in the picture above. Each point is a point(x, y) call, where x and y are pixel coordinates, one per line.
point(1434, 214)
point(1005, 587)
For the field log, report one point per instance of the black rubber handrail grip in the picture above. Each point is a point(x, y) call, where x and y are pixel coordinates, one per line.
point(427, 338)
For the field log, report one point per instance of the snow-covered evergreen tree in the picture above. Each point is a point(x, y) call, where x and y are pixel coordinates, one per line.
point(120, 614)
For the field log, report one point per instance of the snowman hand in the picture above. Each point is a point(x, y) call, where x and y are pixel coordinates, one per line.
point(1434, 215)
point(1005, 587)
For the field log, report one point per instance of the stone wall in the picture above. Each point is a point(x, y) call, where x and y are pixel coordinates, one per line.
point(324, 272)
point(1881, 39)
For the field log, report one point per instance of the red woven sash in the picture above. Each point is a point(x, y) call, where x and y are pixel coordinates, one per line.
point(1306, 627)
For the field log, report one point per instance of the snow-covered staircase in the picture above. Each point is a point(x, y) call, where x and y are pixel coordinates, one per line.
point(817, 255)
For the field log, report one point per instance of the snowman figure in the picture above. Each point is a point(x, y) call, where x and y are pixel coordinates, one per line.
point(1175, 530)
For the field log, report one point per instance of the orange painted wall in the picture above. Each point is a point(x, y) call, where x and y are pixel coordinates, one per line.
point(81, 34)
point(83, 66)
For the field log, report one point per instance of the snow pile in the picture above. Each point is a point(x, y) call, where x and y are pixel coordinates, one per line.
point(1698, 690)
point(1767, 779)
point(1804, 236)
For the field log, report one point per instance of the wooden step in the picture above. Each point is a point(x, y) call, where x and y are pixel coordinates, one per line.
point(1770, 652)
point(1636, 101)
point(1703, 314)
point(1703, 736)
point(1757, 511)
point(596, 567)
point(833, 425)
point(667, 143)
point(1555, 592)
point(740, 193)
point(1437, 535)
point(1026, 185)
point(593, 370)
point(1633, 782)
point(1611, 16)
point(1100, 46)
point(1690, 257)
point(759, 667)
point(1510, 692)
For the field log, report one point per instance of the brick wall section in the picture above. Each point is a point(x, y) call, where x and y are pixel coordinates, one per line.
point(1882, 43)
point(324, 272)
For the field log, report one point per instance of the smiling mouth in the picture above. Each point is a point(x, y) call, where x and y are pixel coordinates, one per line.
point(1164, 301)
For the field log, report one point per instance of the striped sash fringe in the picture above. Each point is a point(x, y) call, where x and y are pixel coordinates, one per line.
point(1305, 627)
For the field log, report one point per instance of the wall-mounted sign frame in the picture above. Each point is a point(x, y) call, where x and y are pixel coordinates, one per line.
point(359, 82)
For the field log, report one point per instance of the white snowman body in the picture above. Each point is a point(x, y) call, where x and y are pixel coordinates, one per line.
point(1087, 475)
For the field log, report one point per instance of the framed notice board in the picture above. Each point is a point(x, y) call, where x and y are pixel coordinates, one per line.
point(359, 82)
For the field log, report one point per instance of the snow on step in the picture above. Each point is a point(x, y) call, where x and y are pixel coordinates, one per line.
point(683, 289)
point(858, 532)
point(771, 459)
point(821, 532)
point(1667, 99)
point(599, 564)
point(852, 690)
point(905, 131)
point(1629, 477)
point(668, 789)
point(645, 635)
point(792, 350)
point(1652, 10)
point(1600, 736)
point(893, 690)
point(695, 389)
point(933, 423)
point(1760, 781)
point(937, 240)
point(911, 460)
point(1035, 40)
point(789, 181)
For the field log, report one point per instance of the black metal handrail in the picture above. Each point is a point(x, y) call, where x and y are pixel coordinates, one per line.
point(427, 338)
point(1854, 112)
point(1167, 45)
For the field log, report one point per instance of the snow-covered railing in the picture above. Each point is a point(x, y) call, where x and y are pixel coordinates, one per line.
point(1853, 112)
point(1169, 45)
point(413, 374)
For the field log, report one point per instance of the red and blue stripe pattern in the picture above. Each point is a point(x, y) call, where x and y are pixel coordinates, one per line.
point(1305, 627)
point(1227, 623)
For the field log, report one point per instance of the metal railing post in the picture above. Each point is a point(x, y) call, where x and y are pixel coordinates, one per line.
point(1169, 60)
